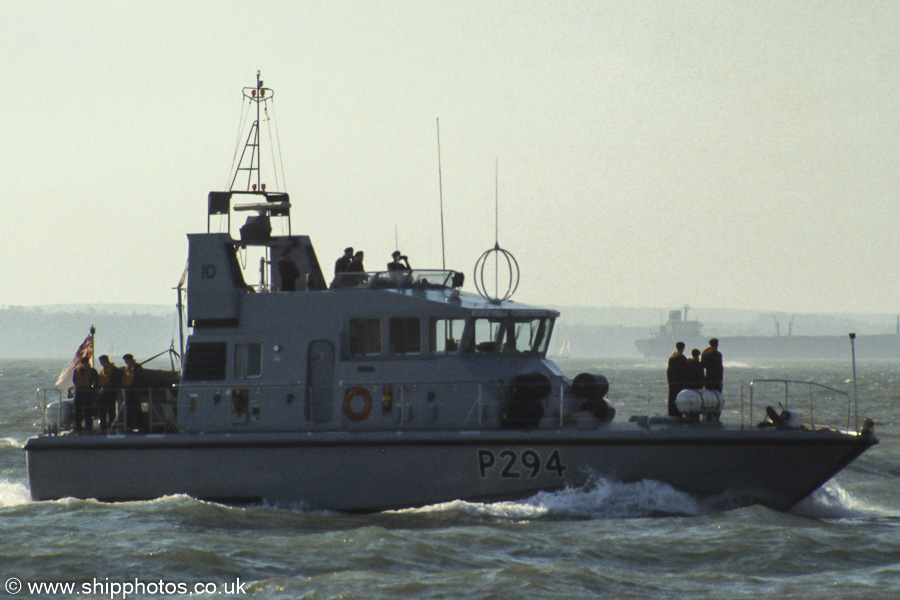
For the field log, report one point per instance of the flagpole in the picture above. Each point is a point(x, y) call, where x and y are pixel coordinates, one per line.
point(93, 331)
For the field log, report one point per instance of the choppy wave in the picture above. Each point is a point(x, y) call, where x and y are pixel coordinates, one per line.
point(605, 499)
point(608, 499)
point(831, 501)
point(13, 493)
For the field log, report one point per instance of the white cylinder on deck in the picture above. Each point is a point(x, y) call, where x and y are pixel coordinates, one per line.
point(700, 402)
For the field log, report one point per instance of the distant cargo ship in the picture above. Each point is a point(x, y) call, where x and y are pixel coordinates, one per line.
point(755, 347)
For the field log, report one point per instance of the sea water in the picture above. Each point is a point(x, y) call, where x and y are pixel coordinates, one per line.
point(614, 540)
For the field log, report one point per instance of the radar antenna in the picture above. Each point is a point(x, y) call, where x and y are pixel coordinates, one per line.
point(511, 266)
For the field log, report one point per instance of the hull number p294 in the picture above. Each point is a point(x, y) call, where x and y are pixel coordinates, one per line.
point(512, 464)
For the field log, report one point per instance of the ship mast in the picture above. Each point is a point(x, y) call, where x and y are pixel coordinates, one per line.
point(257, 95)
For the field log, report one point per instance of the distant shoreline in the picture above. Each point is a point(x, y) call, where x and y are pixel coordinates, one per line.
point(55, 331)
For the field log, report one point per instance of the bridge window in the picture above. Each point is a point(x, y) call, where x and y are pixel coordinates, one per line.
point(486, 334)
point(446, 335)
point(405, 336)
point(365, 337)
point(526, 335)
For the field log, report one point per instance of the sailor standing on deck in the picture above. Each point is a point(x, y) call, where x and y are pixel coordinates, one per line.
point(693, 372)
point(110, 381)
point(288, 271)
point(356, 271)
point(396, 265)
point(342, 265)
point(675, 374)
point(85, 379)
point(132, 379)
point(713, 369)
point(356, 263)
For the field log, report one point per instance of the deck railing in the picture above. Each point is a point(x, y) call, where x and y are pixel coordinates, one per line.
point(415, 279)
point(807, 399)
point(745, 403)
point(46, 397)
point(156, 405)
point(476, 404)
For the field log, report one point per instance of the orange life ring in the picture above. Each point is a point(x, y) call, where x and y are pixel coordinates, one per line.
point(348, 409)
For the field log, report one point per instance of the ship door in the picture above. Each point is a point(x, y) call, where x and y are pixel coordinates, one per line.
point(321, 381)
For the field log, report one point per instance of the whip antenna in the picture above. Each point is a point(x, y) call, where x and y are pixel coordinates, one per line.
point(441, 194)
point(511, 270)
point(497, 200)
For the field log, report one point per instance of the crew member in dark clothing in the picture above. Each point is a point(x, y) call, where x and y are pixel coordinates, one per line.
point(713, 369)
point(396, 265)
point(288, 271)
point(356, 264)
point(342, 265)
point(693, 372)
point(356, 272)
point(110, 382)
point(675, 376)
point(85, 380)
point(132, 381)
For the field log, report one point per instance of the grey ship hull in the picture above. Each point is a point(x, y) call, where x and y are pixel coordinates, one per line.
point(795, 347)
point(371, 471)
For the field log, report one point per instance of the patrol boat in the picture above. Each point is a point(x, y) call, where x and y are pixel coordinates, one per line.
point(395, 389)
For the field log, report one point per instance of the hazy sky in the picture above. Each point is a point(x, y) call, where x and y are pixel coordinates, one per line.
point(716, 154)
